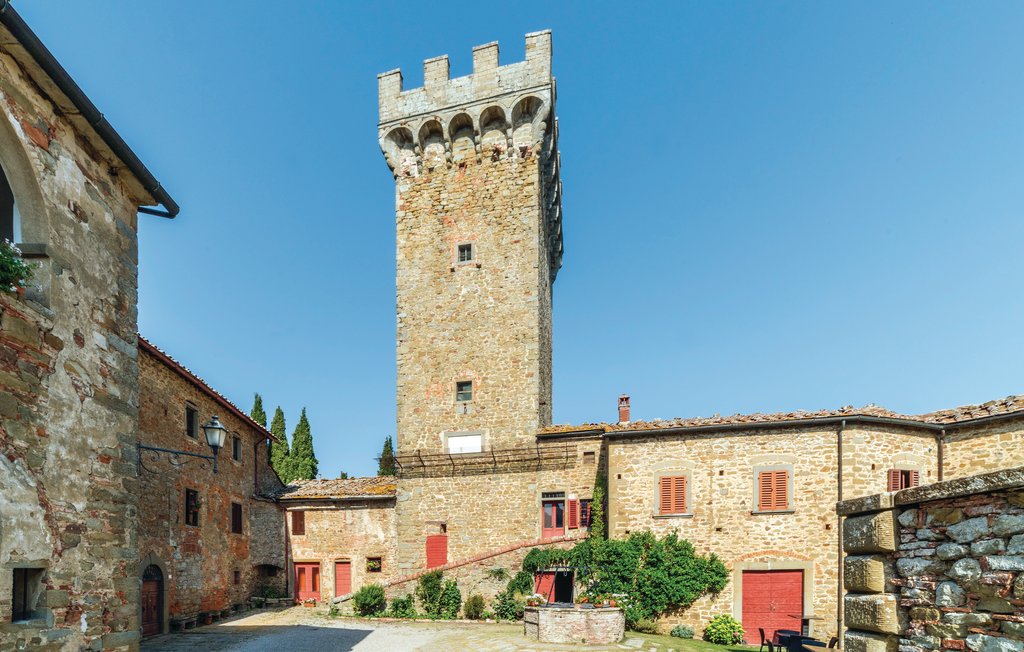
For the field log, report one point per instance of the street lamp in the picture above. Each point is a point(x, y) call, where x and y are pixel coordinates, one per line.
point(216, 436)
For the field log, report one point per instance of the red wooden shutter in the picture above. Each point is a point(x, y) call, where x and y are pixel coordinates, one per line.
point(679, 495)
point(764, 491)
point(773, 491)
point(437, 550)
point(298, 522)
point(781, 490)
point(894, 480)
point(915, 478)
point(666, 496)
point(574, 513)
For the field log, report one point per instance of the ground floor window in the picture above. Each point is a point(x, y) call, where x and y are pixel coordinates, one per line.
point(28, 583)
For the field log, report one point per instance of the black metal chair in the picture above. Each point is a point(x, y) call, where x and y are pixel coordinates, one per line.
point(771, 647)
point(763, 641)
point(833, 642)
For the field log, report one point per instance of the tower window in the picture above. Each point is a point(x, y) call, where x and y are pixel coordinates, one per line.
point(236, 448)
point(191, 507)
point(191, 422)
point(464, 391)
point(465, 252)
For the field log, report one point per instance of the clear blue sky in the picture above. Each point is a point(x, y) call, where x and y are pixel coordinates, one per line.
point(768, 206)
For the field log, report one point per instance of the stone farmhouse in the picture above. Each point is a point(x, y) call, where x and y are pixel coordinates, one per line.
point(117, 522)
point(483, 474)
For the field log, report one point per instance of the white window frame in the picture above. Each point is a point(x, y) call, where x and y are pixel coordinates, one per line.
point(465, 437)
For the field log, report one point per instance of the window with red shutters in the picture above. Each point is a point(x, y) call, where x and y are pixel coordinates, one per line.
point(298, 523)
point(773, 491)
point(573, 508)
point(672, 495)
point(437, 550)
point(902, 479)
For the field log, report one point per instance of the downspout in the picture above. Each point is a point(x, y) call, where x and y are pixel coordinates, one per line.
point(839, 534)
point(941, 444)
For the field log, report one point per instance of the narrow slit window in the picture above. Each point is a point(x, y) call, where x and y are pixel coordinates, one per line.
point(298, 523)
point(191, 422)
point(236, 518)
point(236, 448)
point(28, 584)
point(464, 391)
point(465, 252)
point(191, 507)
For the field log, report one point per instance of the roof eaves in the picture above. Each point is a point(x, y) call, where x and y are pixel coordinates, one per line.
point(782, 423)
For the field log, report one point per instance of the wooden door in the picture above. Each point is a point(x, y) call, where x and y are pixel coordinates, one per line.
point(307, 581)
point(544, 584)
point(772, 600)
point(437, 550)
point(342, 578)
point(151, 612)
point(553, 519)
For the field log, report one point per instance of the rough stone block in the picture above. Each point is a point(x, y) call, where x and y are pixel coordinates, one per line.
point(873, 613)
point(949, 594)
point(1005, 562)
point(987, 547)
point(870, 533)
point(945, 516)
point(982, 643)
point(949, 551)
point(965, 570)
point(925, 614)
point(969, 619)
point(1016, 545)
point(947, 630)
point(969, 530)
point(917, 566)
point(1016, 630)
point(907, 518)
point(1018, 587)
point(1005, 524)
point(995, 605)
point(864, 574)
point(855, 641)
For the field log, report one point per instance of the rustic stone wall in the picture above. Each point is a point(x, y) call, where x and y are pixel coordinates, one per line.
point(586, 626)
point(475, 163)
point(937, 567)
point(200, 562)
point(345, 530)
point(978, 449)
point(68, 376)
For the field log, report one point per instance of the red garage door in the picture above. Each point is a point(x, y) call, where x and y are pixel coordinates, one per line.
point(772, 600)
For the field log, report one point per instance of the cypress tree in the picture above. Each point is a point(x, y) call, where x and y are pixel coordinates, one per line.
point(257, 414)
point(386, 464)
point(303, 463)
point(280, 457)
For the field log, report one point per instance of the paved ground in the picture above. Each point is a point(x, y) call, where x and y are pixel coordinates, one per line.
point(305, 629)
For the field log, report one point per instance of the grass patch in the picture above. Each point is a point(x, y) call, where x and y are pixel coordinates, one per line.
point(666, 643)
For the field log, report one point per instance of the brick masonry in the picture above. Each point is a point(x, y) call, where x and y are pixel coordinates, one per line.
point(937, 567)
point(69, 390)
point(199, 563)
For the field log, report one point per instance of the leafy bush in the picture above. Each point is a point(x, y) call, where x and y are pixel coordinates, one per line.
point(522, 583)
point(403, 607)
point(724, 630)
point(451, 600)
point(682, 631)
point(474, 607)
point(438, 598)
point(14, 271)
point(509, 604)
point(369, 600)
point(269, 591)
point(645, 627)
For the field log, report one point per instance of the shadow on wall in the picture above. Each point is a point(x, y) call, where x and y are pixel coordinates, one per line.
point(228, 636)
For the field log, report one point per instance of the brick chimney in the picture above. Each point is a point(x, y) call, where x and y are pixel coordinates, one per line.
point(624, 408)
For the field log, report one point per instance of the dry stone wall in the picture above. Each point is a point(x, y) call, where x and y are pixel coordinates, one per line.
point(938, 567)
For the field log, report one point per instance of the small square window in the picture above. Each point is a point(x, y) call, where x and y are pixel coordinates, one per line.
point(589, 457)
point(465, 252)
point(26, 589)
point(236, 448)
point(191, 422)
point(464, 391)
point(191, 507)
point(374, 564)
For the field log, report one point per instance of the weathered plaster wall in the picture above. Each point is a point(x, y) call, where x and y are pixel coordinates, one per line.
point(68, 380)
point(201, 560)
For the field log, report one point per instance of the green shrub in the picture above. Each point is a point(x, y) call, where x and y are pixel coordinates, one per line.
point(682, 631)
point(268, 591)
point(645, 626)
point(522, 583)
point(474, 607)
point(369, 600)
point(509, 604)
point(451, 600)
point(428, 592)
point(403, 607)
point(333, 611)
point(724, 630)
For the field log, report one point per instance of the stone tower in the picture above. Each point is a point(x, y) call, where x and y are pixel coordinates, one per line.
point(479, 242)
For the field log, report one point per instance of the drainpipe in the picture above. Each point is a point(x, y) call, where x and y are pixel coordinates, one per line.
point(839, 533)
point(941, 443)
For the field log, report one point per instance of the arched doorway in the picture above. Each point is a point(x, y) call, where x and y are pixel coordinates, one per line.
point(152, 600)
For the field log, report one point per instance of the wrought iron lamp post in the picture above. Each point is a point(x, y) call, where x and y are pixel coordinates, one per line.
point(216, 435)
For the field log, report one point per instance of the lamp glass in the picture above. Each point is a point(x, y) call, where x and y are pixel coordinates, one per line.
point(216, 434)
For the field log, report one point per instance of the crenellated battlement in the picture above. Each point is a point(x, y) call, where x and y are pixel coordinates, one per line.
point(499, 107)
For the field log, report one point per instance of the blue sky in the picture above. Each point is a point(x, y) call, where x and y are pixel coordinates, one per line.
point(768, 206)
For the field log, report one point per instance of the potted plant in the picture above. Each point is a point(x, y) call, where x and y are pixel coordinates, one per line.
point(14, 271)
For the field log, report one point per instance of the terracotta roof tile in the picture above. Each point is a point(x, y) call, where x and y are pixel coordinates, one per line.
point(1007, 405)
point(379, 486)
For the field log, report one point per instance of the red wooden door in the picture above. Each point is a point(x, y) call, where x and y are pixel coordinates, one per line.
point(544, 583)
point(307, 581)
point(772, 600)
point(342, 578)
point(151, 607)
point(553, 519)
point(437, 550)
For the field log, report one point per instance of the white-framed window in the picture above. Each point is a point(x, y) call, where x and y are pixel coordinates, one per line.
point(464, 442)
point(465, 252)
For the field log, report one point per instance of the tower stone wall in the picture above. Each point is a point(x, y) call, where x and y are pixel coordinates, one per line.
point(476, 168)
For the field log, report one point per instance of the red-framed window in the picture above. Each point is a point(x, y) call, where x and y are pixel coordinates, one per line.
point(773, 491)
point(903, 479)
point(672, 494)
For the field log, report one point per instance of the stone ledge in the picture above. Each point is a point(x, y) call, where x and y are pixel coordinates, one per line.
point(984, 483)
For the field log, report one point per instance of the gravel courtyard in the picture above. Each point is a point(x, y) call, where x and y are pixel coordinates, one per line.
point(305, 629)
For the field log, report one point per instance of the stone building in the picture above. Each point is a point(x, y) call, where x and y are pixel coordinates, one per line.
point(70, 191)
point(207, 540)
point(341, 534)
point(483, 477)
